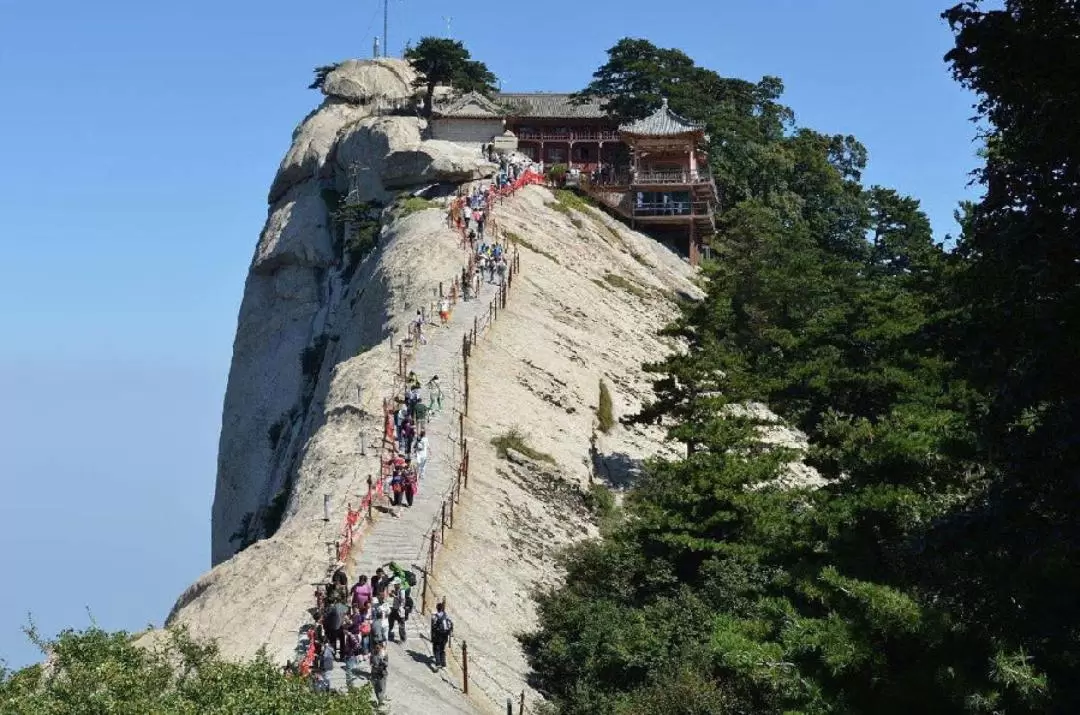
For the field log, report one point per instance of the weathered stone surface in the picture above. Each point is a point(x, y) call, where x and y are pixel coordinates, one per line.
point(383, 79)
point(434, 160)
point(297, 231)
point(366, 144)
point(312, 143)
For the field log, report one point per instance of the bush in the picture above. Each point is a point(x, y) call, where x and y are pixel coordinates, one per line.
point(515, 440)
point(413, 204)
point(557, 173)
point(604, 411)
point(95, 671)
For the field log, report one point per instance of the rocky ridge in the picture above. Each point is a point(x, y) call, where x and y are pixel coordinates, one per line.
point(315, 353)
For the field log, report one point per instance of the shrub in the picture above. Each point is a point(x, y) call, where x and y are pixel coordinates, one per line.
point(515, 440)
point(600, 501)
point(413, 204)
point(557, 173)
point(96, 671)
point(604, 411)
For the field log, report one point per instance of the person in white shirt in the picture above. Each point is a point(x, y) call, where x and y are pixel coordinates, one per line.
point(421, 454)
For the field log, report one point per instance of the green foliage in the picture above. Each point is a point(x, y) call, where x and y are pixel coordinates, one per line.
point(605, 412)
point(359, 224)
point(600, 501)
point(413, 204)
point(439, 60)
point(573, 200)
point(935, 570)
point(321, 73)
point(517, 441)
point(94, 671)
point(519, 241)
point(556, 173)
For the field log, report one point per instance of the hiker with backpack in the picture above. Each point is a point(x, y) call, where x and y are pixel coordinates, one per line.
point(442, 629)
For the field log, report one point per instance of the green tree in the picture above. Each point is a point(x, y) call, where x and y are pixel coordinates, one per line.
point(93, 671)
point(439, 60)
point(321, 73)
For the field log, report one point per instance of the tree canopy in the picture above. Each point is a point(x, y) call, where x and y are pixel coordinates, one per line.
point(936, 568)
point(439, 60)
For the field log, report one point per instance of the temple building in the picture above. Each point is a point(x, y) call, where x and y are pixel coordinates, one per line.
point(652, 172)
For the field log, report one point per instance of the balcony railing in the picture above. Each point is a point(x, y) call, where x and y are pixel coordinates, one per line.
point(647, 209)
point(568, 135)
point(668, 176)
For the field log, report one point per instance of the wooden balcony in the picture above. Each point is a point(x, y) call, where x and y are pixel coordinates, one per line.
point(567, 135)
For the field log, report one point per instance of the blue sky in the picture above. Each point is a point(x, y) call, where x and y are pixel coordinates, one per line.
point(139, 142)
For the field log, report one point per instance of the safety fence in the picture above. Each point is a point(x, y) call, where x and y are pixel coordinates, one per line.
point(460, 288)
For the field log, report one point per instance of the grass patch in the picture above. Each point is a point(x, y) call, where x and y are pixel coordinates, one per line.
point(576, 222)
point(413, 204)
point(601, 283)
point(519, 241)
point(515, 440)
point(617, 281)
point(605, 413)
point(556, 206)
point(572, 200)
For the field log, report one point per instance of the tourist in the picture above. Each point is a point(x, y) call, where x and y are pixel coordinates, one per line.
point(334, 625)
point(421, 454)
point(444, 310)
point(361, 594)
point(379, 619)
point(379, 580)
point(397, 611)
point(418, 327)
point(434, 394)
point(320, 679)
point(501, 268)
point(408, 486)
point(380, 666)
point(442, 629)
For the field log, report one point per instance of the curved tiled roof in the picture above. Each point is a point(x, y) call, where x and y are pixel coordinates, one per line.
point(662, 122)
point(550, 105)
point(471, 105)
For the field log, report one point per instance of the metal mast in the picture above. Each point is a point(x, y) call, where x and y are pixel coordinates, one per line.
point(385, 25)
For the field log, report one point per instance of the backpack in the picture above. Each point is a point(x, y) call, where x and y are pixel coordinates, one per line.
point(326, 663)
point(443, 625)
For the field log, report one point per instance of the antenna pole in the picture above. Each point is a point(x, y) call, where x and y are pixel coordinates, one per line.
point(385, 25)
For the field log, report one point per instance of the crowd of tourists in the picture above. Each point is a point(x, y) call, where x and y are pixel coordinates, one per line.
point(354, 624)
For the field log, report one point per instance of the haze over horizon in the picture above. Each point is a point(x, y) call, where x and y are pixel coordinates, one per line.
point(142, 143)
